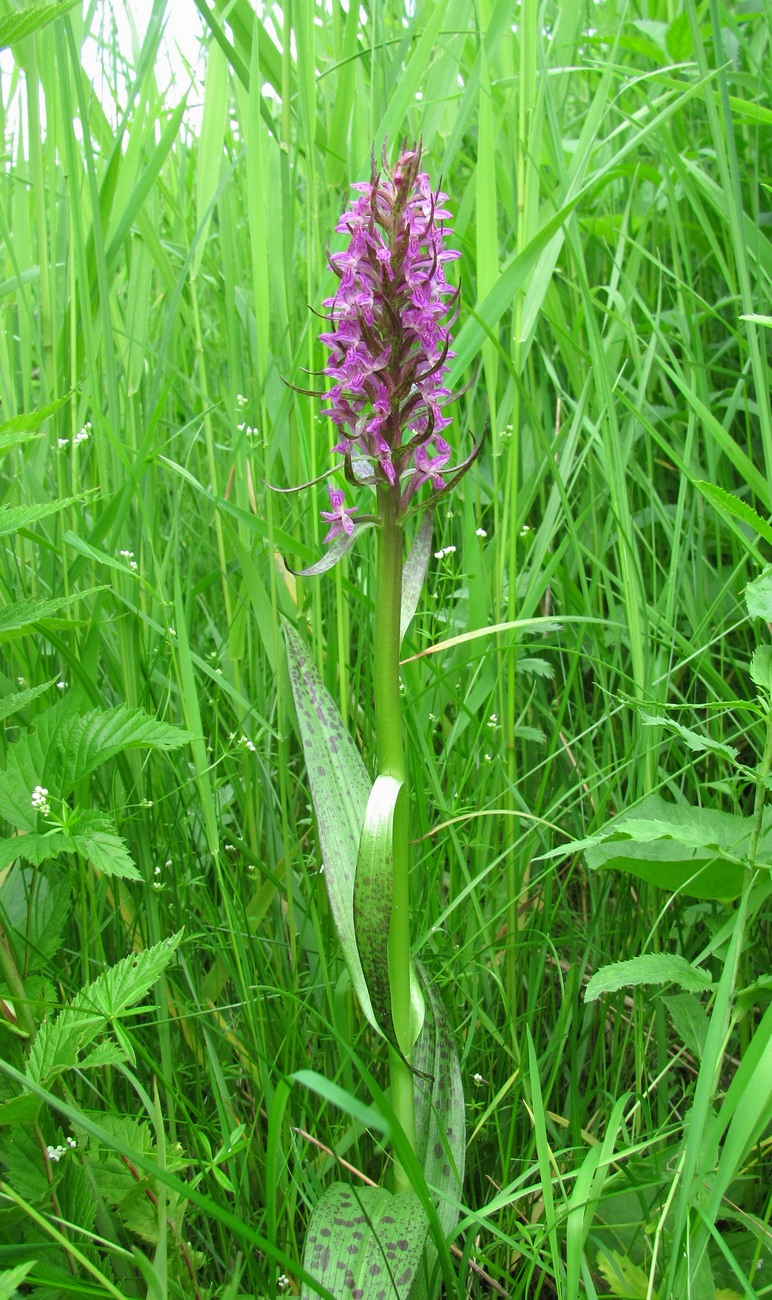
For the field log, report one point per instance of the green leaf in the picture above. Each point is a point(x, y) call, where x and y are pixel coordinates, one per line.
point(12, 518)
point(649, 968)
point(35, 912)
point(372, 900)
point(91, 739)
point(626, 1280)
point(696, 742)
point(10, 704)
point(23, 22)
point(440, 1113)
point(365, 1242)
point(729, 504)
point(127, 982)
point(758, 596)
point(695, 851)
point(335, 551)
point(340, 788)
point(679, 42)
point(12, 1278)
point(26, 613)
point(690, 1020)
point(414, 572)
point(761, 667)
point(94, 836)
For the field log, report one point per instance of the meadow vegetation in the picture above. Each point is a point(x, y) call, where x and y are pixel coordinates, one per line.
point(587, 682)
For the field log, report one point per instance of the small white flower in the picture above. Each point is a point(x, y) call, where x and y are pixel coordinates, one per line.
point(525, 530)
point(62, 443)
point(72, 1144)
point(493, 721)
point(133, 565)
point(478, 1079)
point(171, 631)
point(156, 870)
point(40, 801)
point(146, 803)
point(20, 681)
point(61, 686)
point(481, 532)
point(127, 555)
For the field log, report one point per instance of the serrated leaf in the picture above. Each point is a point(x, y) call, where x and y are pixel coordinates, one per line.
point(96, 736)
point(10, 704)
point(34, 848)
point(12, 518)
point(12, 1278)
point(679, 42)
point(94, 836)
point(26, 613)
point(440, 1115)
point(626, 1280)
point(127, 982)
point(649, 968)
point(690, 1020)
point(372, 904)
point(106, 1053)
point(414, 573)
point(696, 742)
point(761, 667)
point(696, 851)
point(758, 596)
point(59, 1042)
point(365, 1242)
point(14, 27)
point(340, 788)
point(23, 1109)
point(736, 508)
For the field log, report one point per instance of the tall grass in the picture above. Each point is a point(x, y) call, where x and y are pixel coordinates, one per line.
point(609, 165)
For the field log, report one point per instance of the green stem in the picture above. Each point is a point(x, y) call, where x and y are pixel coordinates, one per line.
point(391, 762)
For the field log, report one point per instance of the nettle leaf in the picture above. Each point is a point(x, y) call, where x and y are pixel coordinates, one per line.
point(340, 788)
point(60, 1043)
point(26, 765)
point(127, 982)
point(23, 614)
point(414, 573)
point(761, 667)
point(92, 738)
point(758, 596)
point(93, 835)
point(696, 742)
point(736, 508)
point(365, 1242)
point(696, 851)
point(12, 1278)
point(10, 704)
point(649, 968)
point(440, 1115)
point(12, 518)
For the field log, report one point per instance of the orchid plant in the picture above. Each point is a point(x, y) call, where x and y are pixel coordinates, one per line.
point(389, 340)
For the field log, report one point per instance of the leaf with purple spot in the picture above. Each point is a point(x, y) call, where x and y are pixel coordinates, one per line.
point(365, 1243)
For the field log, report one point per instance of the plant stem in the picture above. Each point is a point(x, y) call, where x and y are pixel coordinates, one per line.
point(391, 762)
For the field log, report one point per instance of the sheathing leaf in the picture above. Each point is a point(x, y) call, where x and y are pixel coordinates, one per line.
point(373, 898)
point(335, 551)
point(365, 1243)
point(440, 1116)
point(340, 789)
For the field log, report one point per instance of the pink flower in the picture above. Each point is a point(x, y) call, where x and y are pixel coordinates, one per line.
point(339, 516)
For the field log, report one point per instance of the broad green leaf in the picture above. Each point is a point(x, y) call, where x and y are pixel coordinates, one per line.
point(34, 847)
point(680, 45)
point(695, 851)
point(758, 596)
point(35, 911)
point(26, 766)
point(761, 667)
point(59, 1043)
point(440, 1115)
point(23, 1109)
point(365, 1242)
point(23, 22)
point(414, 572)
point(373, 898)
point(649, 968)
point(340, 788)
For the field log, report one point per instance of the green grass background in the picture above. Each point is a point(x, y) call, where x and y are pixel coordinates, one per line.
point(608, 167)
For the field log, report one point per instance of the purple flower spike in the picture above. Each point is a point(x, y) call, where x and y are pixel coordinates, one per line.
point(339, 516)
point(389, 335)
